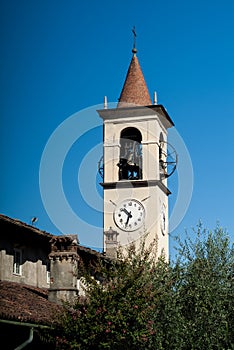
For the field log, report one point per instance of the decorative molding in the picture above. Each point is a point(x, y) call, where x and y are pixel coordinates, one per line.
point(149, 142)
point(108, 115)
point(110, 143)
point(135, 183)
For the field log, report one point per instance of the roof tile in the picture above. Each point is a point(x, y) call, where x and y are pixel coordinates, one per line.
point(135, 91)
point(20, 302)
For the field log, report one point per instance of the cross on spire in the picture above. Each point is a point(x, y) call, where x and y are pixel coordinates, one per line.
point(134, 50)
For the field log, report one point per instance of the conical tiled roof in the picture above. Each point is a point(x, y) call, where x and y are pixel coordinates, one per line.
point(135, 91)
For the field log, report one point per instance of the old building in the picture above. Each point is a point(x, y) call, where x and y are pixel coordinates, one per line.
point(37, 272)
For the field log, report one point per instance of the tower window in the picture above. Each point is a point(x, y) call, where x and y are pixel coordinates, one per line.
point(130, 162)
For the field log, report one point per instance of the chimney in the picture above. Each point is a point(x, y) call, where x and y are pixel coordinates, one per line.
point(111, 243)
point(63, 269)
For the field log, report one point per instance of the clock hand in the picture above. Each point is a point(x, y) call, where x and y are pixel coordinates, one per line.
point(129, 217)
point(127, 221)
point(125, 210)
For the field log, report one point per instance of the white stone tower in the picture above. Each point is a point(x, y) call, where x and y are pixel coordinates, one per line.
point(135, 167)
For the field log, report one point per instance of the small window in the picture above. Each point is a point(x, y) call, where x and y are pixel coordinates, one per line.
point(48, 273)
point(17, 267)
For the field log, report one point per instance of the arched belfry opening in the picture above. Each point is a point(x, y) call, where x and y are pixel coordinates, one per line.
point(130, 162)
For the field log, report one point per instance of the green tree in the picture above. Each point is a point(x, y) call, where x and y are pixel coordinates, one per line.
point(144, 303)
point(205, 290)
point(119, 312)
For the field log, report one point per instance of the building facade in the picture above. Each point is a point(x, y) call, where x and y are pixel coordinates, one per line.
point(38, 272)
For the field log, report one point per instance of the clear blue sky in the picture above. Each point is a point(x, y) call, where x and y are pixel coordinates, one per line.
point(59, 57)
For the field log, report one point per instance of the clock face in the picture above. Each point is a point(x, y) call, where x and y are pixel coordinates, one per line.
point(129, 215)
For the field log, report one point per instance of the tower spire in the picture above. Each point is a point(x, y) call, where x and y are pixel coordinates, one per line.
point(135, 91)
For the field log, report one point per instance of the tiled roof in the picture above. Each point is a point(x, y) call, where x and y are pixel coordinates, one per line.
point(135, 91)
point(23, 303)
point(7, 220)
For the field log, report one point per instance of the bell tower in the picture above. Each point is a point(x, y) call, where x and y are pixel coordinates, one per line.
point(135, 166)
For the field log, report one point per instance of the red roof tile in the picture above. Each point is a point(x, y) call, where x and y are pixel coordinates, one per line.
point(24, 303)
point(135, 91)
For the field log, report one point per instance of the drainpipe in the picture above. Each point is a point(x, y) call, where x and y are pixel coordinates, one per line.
point(26, 324)
point(29, 340)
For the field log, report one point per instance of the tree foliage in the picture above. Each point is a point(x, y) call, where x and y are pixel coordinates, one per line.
point(144, 303)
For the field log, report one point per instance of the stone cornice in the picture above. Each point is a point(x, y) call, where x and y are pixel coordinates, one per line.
point(136, 183)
